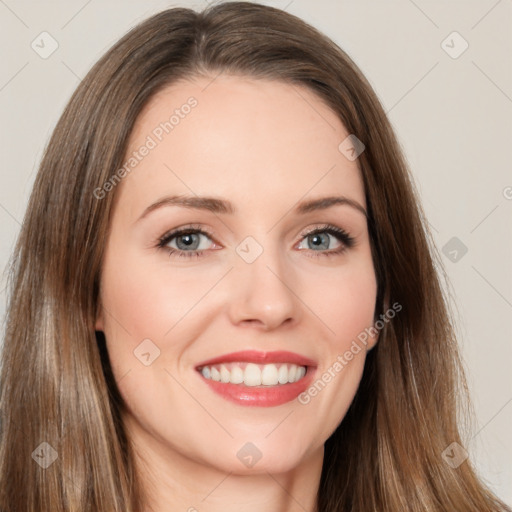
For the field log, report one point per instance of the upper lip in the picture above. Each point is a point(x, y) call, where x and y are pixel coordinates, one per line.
point(257, 356)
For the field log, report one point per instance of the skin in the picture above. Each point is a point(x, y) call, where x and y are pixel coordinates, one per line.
point(264, 146)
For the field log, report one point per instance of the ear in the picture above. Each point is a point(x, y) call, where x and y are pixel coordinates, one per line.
point(372, 333)
point(370, 336)
point(372, 340)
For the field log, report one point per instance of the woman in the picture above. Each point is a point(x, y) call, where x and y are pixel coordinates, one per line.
point(223, 293)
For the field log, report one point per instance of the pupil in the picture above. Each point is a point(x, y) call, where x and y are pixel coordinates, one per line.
point(317, 241)
point(186, 241)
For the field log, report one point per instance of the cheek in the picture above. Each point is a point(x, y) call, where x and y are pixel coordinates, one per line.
point(344, 301)
point(346, 306)
point(147, 299)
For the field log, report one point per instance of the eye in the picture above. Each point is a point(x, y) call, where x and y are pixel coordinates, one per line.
point(192, 242)
point(185, 242)
point(319, 240)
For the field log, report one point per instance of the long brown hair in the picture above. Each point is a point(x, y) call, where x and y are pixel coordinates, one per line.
point(56, 385)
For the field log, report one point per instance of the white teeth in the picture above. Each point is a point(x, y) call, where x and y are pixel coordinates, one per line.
point(269, 376)
point(224, 374)
point(237, 375)
point(292, 370)
point(283, 374)
point(250, 374)
point(215, 375)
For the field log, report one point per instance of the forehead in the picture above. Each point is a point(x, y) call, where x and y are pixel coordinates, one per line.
point(240, 136)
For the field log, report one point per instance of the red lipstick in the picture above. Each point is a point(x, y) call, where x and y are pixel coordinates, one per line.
point(258, 357)
point(263, 395)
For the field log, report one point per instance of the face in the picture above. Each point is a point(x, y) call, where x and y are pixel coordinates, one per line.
point(233, 296)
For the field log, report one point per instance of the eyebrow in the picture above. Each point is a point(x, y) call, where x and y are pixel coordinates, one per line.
point(216, 205)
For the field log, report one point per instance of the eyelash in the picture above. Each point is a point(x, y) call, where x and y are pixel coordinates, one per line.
point(343, 237)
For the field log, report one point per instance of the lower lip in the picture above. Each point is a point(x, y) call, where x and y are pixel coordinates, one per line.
point(261, 396)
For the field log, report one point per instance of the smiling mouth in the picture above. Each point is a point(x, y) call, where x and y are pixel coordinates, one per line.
point(251, 375)
point(258, 378)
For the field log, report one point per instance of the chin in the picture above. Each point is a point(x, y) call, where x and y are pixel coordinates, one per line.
point(259, 457)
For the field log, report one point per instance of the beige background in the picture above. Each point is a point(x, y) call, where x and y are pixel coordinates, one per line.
point(453, 117)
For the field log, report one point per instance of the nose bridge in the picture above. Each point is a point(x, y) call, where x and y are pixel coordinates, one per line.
point(262, 292)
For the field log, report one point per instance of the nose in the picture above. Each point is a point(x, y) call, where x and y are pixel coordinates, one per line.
point(263, 293)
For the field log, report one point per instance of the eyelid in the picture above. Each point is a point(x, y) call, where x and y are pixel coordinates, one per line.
point(325, 228)
point(189, 228)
